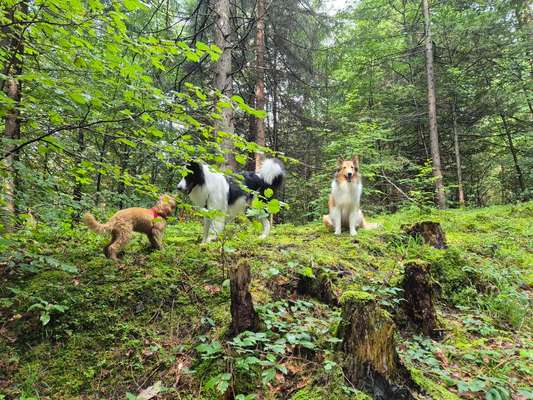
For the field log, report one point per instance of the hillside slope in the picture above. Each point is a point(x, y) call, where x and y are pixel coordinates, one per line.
point(75, 325)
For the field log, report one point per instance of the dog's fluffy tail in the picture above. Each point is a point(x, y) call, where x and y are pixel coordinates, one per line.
point(369, 225)
point(272, 172)
point(327, 221)
point(94, 225)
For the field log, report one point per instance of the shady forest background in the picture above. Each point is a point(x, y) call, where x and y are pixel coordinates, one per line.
point(103, 102)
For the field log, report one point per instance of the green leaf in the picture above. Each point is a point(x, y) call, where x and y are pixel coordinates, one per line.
point(241, 159)
point(202, 46)
point(273, 206)
point(45, 318)
point(307, 272)
point(127, 142)
point(268, 375)
point(269, 193)
point(71, 269)
point(238, 99)
point(78, 97)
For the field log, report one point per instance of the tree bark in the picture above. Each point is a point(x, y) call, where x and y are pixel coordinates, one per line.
point(77, 193)
point(418, 295)
point(430, 232)
point(432, 113)
point(371, 362)
point(460, 190)
point(13, 38)
point(260, 79)
point(101, 157)
point(223, 78)
point(243, 315)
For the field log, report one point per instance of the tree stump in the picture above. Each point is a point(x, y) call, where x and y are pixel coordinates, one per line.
point(418, 295)
point(430, 232)
point(243, 315)
point(371, 362)
point(320, 288)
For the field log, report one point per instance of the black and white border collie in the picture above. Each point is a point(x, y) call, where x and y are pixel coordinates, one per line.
point(214, 191)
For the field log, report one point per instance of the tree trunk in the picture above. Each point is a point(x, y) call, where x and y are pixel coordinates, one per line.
point(12, 132)
point(13, 38)
point(260, 79)
point(223, 78)
point(99, 175)
point(78, 188)
point(460, 191)
point(274, 88)
point(243, 315)
point(432, 113)
point(371, 362)
point(519, 175)
point(418, 295)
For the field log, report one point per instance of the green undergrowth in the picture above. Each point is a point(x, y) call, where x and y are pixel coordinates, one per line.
point(76, 325)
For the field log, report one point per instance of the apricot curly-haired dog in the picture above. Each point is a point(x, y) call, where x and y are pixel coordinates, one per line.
point(150, 221)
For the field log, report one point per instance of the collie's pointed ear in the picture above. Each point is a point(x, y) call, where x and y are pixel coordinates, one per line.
point(340, 160)
point(355, 160)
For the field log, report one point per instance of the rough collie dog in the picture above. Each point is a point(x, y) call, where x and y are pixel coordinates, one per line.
point(150, 221)
point(214, 191)
point(345, 197)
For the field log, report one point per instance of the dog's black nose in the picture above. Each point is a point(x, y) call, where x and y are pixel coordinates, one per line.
point(350, 174)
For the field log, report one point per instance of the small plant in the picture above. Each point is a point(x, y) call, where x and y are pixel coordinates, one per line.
point(291, 328)
point(388, 296)
point(47, 309)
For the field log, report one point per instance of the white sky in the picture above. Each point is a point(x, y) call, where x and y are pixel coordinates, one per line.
point(332, 6)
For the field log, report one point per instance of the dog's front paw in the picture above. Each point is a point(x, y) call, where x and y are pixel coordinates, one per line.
point(338, 232)
point(353, 233)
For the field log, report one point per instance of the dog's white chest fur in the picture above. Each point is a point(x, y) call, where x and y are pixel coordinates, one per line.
point(346, 211)
point(347, 195)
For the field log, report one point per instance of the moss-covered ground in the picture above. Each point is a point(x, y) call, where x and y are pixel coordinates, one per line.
point(74, 325)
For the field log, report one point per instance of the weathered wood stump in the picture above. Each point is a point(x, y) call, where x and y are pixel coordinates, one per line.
point(419, 303)
point(243, 315)
point(371, 362)
point(320, 288)
point(430, 232)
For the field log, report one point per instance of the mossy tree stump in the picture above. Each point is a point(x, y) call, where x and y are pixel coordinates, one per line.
point(419, 303)
point(320, 287)
point(371, 362)
point(430, 232)
point(243, 315)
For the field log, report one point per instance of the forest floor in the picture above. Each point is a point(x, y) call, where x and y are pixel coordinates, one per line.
point(74, 325)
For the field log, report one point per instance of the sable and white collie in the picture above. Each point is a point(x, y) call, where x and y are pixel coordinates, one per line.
point(214, 191)
point(344, 200)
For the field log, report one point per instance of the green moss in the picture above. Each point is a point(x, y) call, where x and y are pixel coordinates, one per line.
point(307, 394)
point(129, 319)
point(313, 393)
point(436, 391)
point(357, 296)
